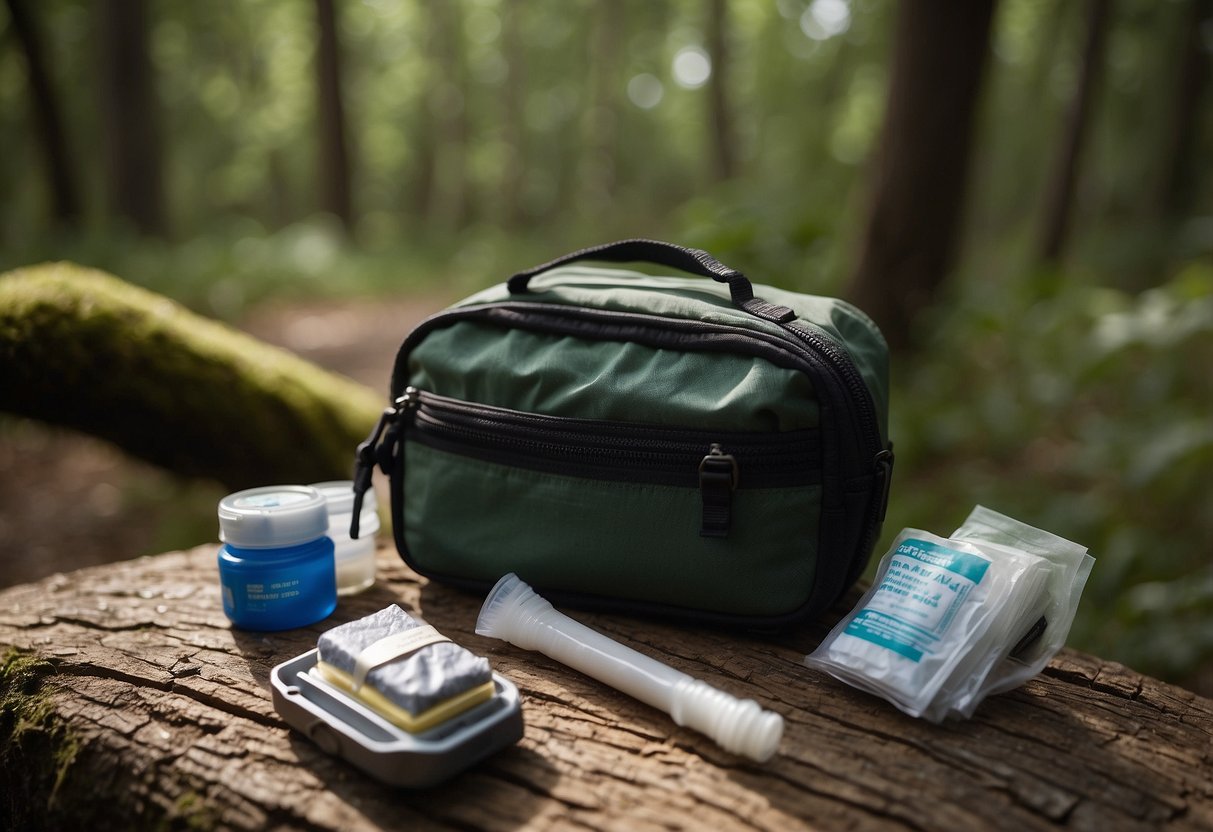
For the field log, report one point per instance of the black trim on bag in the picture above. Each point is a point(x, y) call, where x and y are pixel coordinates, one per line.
point(610, 450)
point(812, 352)
point(850, 443)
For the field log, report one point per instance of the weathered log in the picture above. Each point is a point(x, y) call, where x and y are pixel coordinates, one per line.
point(84, 349)
point(132, 704)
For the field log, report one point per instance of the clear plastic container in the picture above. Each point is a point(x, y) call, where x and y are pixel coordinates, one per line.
point(355, 559)
point(276, 564)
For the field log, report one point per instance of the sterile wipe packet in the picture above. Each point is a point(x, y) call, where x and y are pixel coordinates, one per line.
point(932, 602)
point(935, 632)
point(1070, 565)
point(965, 687)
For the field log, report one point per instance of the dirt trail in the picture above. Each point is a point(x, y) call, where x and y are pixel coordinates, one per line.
point(68, 500)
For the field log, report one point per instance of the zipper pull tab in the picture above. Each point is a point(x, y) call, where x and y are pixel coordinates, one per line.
point(718, 476)
point(371, 451)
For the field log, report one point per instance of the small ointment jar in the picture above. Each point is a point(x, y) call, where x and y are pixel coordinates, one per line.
point(276, 564)
point(355, 558)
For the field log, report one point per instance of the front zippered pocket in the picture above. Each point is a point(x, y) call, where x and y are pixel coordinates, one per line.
point(606, 513)
point(715, 462)
point(855, 464)
point(598, 510)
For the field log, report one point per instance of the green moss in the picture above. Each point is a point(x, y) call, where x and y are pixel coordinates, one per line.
point(46, 782)
point(85, 349)
point(190, 811)
point(37, 749)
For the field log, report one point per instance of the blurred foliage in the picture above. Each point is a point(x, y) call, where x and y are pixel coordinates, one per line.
point(1086, 413)
point(594, 150)
point(1076, 398)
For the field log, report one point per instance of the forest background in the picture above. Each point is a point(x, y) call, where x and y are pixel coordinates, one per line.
point(1020, 192)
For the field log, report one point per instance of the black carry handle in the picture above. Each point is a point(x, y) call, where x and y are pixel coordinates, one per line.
point(690, 260)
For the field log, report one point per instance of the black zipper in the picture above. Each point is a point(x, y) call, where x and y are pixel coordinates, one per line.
point(810, 349)
point(850, 443)
point(837, 360)
point(609, 450)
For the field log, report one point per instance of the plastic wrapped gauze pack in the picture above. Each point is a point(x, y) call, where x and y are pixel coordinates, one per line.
point(936, 631)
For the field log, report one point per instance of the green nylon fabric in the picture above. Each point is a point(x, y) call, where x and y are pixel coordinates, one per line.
point(467, 518)
point(707, 300)
point(608, 539)
point(617, 381)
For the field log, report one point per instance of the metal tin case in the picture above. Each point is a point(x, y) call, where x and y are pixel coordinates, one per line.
point(343, 726)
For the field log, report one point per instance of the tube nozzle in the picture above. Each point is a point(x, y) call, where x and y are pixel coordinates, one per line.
point(515, 613)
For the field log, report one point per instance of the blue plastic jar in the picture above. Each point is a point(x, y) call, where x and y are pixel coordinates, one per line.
point(276, 567)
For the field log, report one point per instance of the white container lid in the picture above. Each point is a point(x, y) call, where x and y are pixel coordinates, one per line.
point(273, 515)
point(340, 497)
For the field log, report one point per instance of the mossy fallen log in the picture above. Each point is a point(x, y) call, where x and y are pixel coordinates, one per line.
point(84, 349)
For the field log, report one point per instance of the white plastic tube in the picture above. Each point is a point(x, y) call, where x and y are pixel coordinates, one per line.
point(513, 612)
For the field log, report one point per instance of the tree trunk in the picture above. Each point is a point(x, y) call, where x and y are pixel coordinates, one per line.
point(44, 106)
point(134, 705)
point(129, 115)
point(724, 151)
point(450, 201)
point(1181, 172)
point(598, 162)
point(83, 349)
point(423, 146)
point(334, 151)
point(513, 118)
point(1026, 146)
point(1059, 198)
point(921, 167)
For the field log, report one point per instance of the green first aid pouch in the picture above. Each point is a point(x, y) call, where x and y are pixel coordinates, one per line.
point(648, 444)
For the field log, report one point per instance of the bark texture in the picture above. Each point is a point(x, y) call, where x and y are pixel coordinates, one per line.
point(84, 349)
point(141, 708)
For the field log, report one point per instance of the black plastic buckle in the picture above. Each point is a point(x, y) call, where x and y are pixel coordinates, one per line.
point(718, 477)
